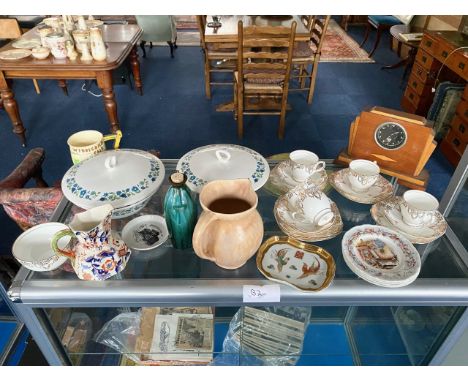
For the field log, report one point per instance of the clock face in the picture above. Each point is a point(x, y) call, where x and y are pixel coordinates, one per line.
point(390, 136)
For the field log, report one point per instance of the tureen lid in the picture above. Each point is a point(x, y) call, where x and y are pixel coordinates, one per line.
point(119, 177)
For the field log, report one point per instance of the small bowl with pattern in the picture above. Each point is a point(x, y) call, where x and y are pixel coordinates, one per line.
point(40, 53)
point(145, 232)
point(305, 267)
point(33, 247)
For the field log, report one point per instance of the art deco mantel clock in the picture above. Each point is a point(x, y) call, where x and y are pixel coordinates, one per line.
point(399, 142)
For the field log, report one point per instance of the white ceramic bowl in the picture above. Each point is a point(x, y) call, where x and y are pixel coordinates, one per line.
point(41, 53)
point(33, 247)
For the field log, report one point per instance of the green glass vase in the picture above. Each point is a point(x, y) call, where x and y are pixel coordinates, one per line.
point(180, 212)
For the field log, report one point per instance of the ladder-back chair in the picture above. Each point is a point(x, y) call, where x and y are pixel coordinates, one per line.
point(218, 57)
point(263, 72)
point(307, 53)
point(10, 30)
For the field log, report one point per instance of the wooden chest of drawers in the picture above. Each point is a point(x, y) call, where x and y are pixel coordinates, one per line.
point(436, 56)
point(456, 140)
point(440, 58)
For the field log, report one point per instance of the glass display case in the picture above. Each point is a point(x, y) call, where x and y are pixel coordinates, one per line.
point(13, 332)
point(351, 322)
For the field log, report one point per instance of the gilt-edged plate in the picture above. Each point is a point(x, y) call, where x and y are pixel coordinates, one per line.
point(14, 54)
point(223, 161)
point(281, 180)
point(305, 267)
point(387, 213)
point(381, 256)
point(380, 190)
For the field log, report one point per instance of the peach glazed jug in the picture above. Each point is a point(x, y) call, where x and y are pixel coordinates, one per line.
point(230, 229)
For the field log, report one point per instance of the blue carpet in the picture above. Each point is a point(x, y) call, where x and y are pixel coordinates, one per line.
point(174, 116)
point(17, 353)
point(7, 329)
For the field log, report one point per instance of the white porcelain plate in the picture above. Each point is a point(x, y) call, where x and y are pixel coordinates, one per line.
point(387, 213)
point(145, 232)
point(282, 181)
point(380, 256)
point(380, 190)
point(223, 161)
point(33, 247)
point(26, 43)
point(15, 54)
point(305, 267)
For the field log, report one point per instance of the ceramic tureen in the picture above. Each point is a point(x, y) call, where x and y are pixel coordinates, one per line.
point(124, 178)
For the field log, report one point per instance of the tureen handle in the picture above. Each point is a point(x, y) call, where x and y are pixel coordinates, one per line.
point(223, 156)
point(110, 162)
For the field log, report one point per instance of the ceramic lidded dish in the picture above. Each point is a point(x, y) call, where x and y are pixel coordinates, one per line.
point(33, 247)
point(223, 161)
point(124, 178)
point(303, 266)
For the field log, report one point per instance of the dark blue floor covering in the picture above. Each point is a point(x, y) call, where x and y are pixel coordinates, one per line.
point(174, 116)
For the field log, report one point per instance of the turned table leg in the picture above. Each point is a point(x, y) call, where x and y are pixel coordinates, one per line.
point(104, 80)
point(135, 64)
point(63, 85)
point(11, 107)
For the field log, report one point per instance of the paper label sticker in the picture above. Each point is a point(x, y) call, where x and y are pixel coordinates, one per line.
point(261, 293)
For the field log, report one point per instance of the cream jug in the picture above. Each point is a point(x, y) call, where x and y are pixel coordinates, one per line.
point(230, 229)
point(95, 253)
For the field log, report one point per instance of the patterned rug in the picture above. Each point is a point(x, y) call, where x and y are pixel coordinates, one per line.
point(338, 46)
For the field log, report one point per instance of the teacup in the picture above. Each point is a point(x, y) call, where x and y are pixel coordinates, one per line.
point(86, 144)
point(363, 174)
point(56, 43)
point(418, 208)
point(304, 164)
point(44, 31)
point(310, 204)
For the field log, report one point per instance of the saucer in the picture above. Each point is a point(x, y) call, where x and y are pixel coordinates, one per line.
point(282, 181)
point(26, 43)
point(380, 190)
point(387, 213)
point(380, 256)
point(145, 232)
point(305, 230)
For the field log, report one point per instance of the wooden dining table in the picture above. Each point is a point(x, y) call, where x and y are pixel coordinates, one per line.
point(227, 32)
point(121, 42)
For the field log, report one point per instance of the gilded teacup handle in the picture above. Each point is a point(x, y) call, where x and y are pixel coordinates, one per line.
point(117, 136)
point(57, 237)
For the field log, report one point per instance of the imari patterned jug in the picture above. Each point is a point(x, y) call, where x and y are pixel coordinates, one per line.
point(95, 253)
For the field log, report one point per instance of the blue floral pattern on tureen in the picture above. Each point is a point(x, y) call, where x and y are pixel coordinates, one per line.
point(195, 180)
point(84, 193)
